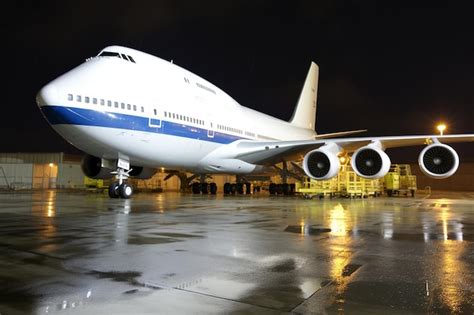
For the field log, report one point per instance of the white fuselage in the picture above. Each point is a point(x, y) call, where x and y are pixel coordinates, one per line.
point(151, 112)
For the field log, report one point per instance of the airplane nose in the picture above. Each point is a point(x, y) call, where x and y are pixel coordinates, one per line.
point(47, 95)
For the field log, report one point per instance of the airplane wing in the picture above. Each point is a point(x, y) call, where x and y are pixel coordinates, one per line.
point(272, 152)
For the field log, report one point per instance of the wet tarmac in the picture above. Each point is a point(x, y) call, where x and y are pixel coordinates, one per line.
point(76, 253)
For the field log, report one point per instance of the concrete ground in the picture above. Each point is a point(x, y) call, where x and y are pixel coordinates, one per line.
point(76, 253)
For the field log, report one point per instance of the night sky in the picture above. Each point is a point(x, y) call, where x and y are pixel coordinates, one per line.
point(383, 67)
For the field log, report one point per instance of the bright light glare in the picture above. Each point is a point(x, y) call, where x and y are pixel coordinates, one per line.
point(441, 128)
point(51, 164)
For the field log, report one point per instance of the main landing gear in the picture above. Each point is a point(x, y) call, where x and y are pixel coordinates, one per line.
point(121, 188)
point(204, 188)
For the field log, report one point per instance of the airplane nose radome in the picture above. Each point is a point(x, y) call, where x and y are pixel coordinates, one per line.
point(47, 95)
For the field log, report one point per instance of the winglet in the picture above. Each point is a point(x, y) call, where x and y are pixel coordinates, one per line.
point(304, 115)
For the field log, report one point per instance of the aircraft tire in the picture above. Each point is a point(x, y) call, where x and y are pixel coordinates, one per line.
point(125, 190)
point(205, 188)
point(213, 188)
point(227, 189)
point(196, 188)
point(240, 188)
point(114, 190)
point(272, 189)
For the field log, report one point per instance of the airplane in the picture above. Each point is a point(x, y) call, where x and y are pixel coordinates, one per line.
point(133, 113)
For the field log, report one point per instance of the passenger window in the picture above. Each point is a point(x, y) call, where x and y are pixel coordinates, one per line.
point(94, 100)
point(109, 103)
point(87, 99)
point(116, 104)
point(131, 59)
point(122, 105)
point(78, 98)
point(143, 109)
point(102, 102)
point(154, 111)
point(69, 97)
point(174, 116)
point(134, 108)
point(129, 107)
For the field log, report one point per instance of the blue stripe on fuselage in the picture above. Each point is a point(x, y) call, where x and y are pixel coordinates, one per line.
point(60, 115)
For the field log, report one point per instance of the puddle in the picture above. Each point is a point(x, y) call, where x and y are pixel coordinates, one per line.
point(178, 235)
point(131, 291)
point(421, 237)
point(306, 229)
point(350, 269)
point(284, 266)
point(19, 300)
point(144, 240)
point(432, 237)
point(253, 221)
point(119, 276)
point(36, 260)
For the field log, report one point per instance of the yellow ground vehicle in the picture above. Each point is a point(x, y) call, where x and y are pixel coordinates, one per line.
point(321, 188)
point(345, 184)
point(93, 183)
point(399, 180)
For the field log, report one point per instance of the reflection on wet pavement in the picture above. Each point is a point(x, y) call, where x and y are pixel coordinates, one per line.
point(172, 253)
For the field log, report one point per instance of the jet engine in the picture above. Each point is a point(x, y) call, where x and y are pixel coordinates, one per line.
point(370, 162)
point(140, 172)
point(92, 167)
point(321, 164)
point(438, 161)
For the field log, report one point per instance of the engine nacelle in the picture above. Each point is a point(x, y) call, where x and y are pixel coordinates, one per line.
point(92, 167)
point(438, 160)
point(140, 172)
point(370, 162)
point(321, 164)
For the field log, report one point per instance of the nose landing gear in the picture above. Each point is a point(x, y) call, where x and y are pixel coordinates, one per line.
point(121, 188)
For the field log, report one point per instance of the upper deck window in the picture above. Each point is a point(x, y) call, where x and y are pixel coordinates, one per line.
point(205, 88)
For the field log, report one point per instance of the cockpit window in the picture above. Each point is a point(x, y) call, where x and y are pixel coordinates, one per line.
point(115, 54)
point(109, 54)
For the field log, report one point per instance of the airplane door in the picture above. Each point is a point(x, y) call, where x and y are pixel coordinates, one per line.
point(210, 131)
point(152, 122)
point(210, 127)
